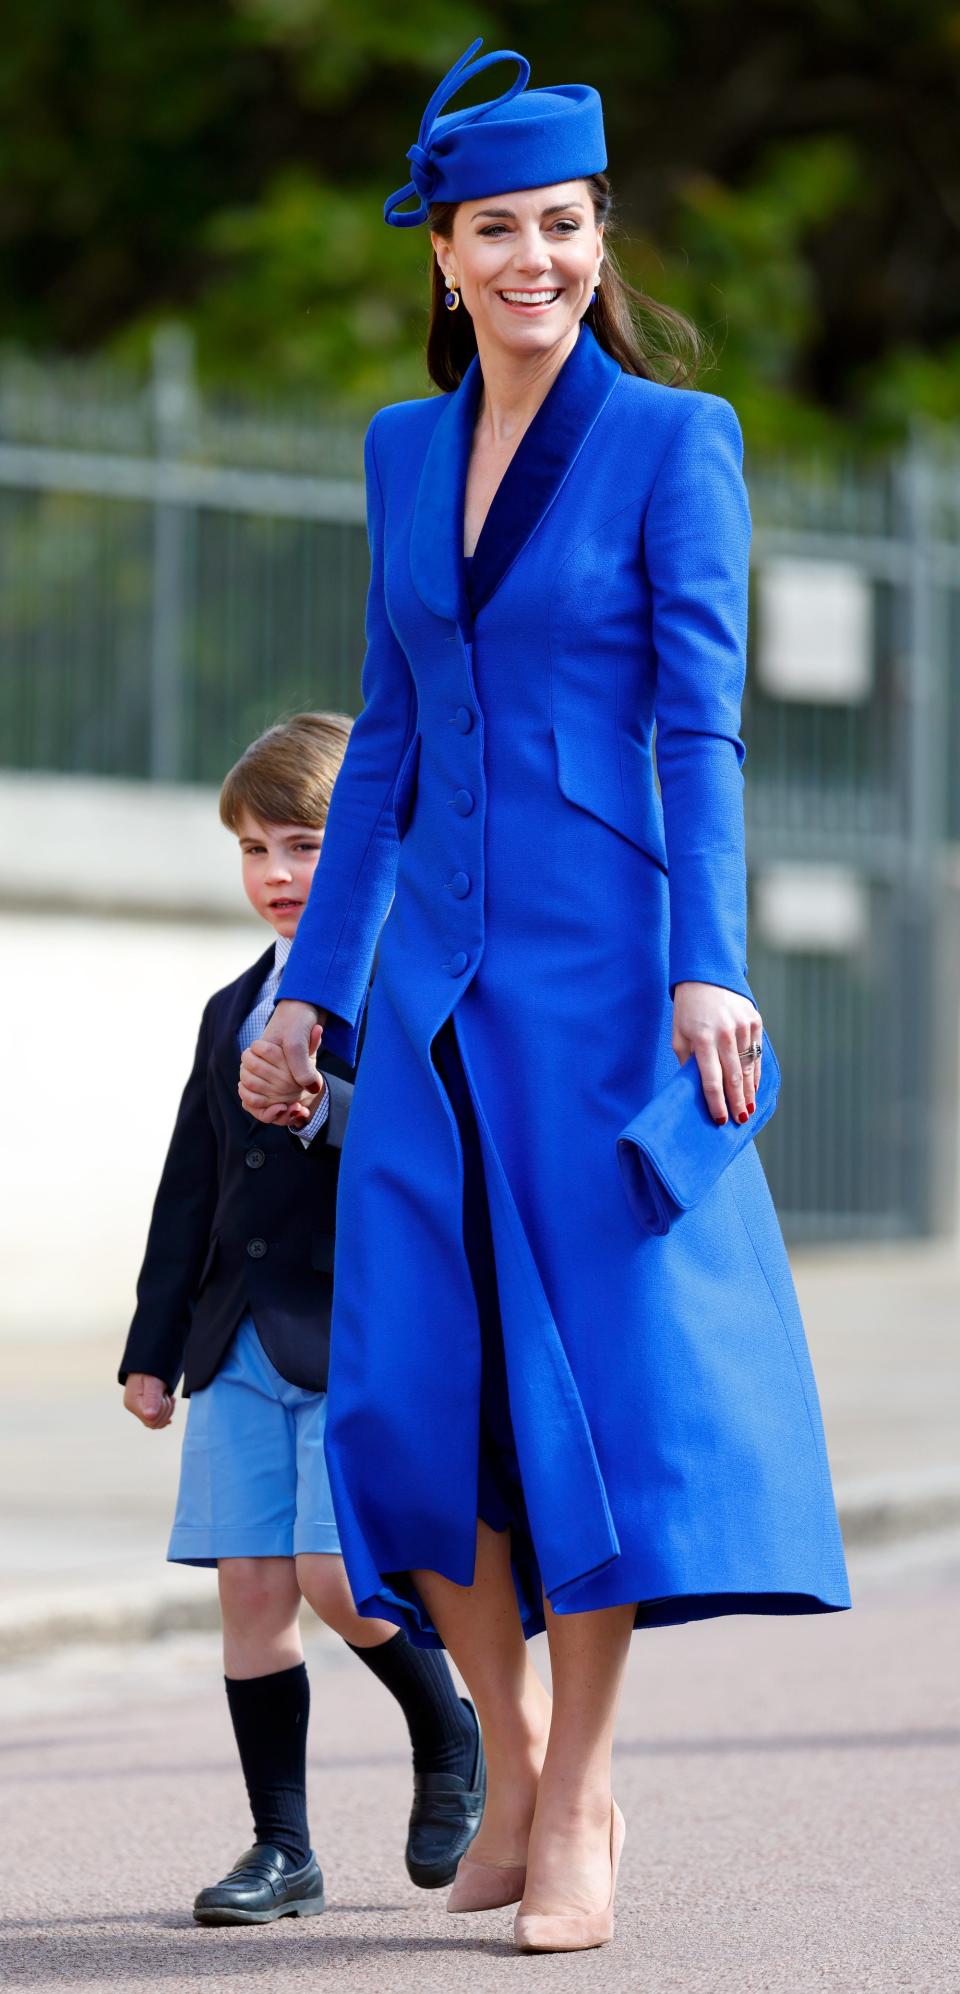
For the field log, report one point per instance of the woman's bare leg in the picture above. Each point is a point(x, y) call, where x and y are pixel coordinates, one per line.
point(568, 1865)
point(480, 1627)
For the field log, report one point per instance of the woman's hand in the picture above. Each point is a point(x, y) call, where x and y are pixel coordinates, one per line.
point(717, 1025)
point(279, 1069)
point(149, 1400)
point(306, 1108)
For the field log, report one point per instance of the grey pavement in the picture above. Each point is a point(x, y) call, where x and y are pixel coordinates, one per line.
point(789, 1787)
point(86, 1494)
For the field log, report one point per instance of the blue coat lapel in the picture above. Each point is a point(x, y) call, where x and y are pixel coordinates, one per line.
point(436, 536)
point(546, 453)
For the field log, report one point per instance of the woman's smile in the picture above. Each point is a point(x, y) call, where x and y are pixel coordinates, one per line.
point(530, 300)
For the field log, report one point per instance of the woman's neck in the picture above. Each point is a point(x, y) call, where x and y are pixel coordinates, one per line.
point(514, 387)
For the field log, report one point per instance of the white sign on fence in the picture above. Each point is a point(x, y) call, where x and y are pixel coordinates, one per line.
point(811, 909)
point(815, 631)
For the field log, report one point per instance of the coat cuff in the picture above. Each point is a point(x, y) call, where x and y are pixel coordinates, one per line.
point(341, 1095)
point(151, 1364)
point(707, 921)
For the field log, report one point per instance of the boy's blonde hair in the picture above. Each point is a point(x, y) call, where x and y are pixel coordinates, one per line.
point(286, 776)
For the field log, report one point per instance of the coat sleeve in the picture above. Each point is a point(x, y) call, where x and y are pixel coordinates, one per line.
point(179, 1236)
point(341, 1100)
point(697, 541)
point(329, 964)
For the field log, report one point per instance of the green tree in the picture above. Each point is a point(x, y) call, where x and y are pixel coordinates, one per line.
point(788, 174)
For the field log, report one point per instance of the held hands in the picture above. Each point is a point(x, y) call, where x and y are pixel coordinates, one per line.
point(149, 1400)
point(717, 1025)
point(279, 1082)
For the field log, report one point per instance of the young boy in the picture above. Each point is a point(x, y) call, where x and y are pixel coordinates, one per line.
point(234, 1294)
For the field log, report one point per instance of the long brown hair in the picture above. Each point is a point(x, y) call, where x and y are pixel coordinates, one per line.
point(646, 337)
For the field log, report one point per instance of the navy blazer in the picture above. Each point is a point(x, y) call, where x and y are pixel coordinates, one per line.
point(244, 1219)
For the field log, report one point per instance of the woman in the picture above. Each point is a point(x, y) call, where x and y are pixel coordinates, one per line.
point(541, 1414)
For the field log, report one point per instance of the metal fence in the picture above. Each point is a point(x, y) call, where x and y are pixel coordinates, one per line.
point(864, 787)
point(177, 570)
point(174, 570)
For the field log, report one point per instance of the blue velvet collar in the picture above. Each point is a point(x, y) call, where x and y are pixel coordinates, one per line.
point(545, 455)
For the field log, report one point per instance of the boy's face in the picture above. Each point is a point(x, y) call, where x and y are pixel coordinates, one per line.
point(278, 863)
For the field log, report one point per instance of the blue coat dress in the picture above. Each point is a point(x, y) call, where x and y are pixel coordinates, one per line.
point(648, 1400)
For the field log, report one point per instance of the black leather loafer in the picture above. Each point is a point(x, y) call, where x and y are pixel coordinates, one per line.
point(446, 1813)
point(261, 1886)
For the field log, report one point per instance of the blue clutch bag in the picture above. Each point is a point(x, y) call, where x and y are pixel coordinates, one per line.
point(673, 1152)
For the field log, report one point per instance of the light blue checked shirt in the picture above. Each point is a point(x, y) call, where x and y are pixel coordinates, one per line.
point(252, 1028)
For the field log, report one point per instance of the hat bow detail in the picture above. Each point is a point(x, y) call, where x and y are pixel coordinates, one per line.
point(424, 177)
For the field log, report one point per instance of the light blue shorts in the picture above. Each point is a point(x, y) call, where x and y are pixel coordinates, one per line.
point(253, 1479)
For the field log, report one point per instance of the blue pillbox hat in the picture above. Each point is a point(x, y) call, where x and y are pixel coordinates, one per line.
point(525, 138)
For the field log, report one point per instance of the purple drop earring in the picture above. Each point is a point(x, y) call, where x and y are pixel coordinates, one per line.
point(452, 298)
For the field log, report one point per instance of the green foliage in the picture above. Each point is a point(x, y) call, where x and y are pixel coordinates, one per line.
point(788, 176)
point(743, 276)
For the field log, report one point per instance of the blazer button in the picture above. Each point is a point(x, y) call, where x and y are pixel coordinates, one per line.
point(458, 963)
point(463, 719)
point(255, 1159)
point(256, 1248)
point(462, 802)
point(459, 885)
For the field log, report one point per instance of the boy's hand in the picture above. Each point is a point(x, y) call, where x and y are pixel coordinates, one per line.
point(279, 1068)
point(149, 1400)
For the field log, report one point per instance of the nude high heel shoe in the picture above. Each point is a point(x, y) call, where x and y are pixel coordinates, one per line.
point(575, 1931)
point(486, 1886)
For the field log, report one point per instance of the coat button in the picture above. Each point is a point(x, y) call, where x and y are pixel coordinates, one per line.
point(256, 1248)
point(458, 963)
point(459, 885)
point(462, 802)
point(463, 719)
point(255, 1159)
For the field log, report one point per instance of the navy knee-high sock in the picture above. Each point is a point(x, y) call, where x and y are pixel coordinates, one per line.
point(270, 1716)
point(442, 1732)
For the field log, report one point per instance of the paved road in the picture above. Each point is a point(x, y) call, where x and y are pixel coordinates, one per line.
point(789, 1788)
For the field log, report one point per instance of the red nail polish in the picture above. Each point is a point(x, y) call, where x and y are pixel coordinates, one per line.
point(720, 1121)
point(743, 1117)
point(750, 1107)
